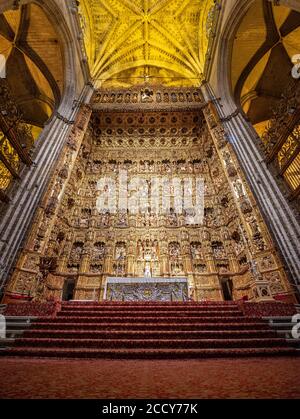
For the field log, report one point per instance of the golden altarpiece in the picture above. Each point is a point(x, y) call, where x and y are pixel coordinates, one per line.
point(148, 131)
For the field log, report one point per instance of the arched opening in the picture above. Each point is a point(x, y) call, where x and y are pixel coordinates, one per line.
point(31, 89)
point(227, 289)
point(68, 289)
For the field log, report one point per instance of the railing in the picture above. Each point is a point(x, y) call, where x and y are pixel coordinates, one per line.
point(16, 140)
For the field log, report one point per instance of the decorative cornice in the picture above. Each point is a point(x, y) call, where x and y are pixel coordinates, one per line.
point(144, 97)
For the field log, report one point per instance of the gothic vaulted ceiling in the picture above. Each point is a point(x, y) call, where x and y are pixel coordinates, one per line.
point(268, 38)
point(34, 64)
point(130, 42)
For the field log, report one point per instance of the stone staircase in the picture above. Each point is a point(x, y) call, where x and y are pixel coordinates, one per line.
point(148, 331)
point(15, 328)
point(283, 326)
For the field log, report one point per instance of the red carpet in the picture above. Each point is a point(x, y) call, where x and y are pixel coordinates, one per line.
point(150, 331)
point(210, 378)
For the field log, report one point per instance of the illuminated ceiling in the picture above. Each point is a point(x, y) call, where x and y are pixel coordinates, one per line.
point(32, 88)
point(130, 42)
point(34, 65)
point(264, 45)
point(266, 41)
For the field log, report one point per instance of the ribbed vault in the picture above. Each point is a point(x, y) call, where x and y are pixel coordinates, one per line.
point(160, 41)
point(265, 43)
point(34, 65)
point(264, 51)
point(32, 88)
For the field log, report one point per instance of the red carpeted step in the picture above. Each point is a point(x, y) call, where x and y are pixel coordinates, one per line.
point(132, 312)
point(109, 309)
point(148, 353)
point(149, 343)
point(148, 313)
point(87, 303)
point(149, 334)
point(258, 325)
point(147, 319)
point(149, 330)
